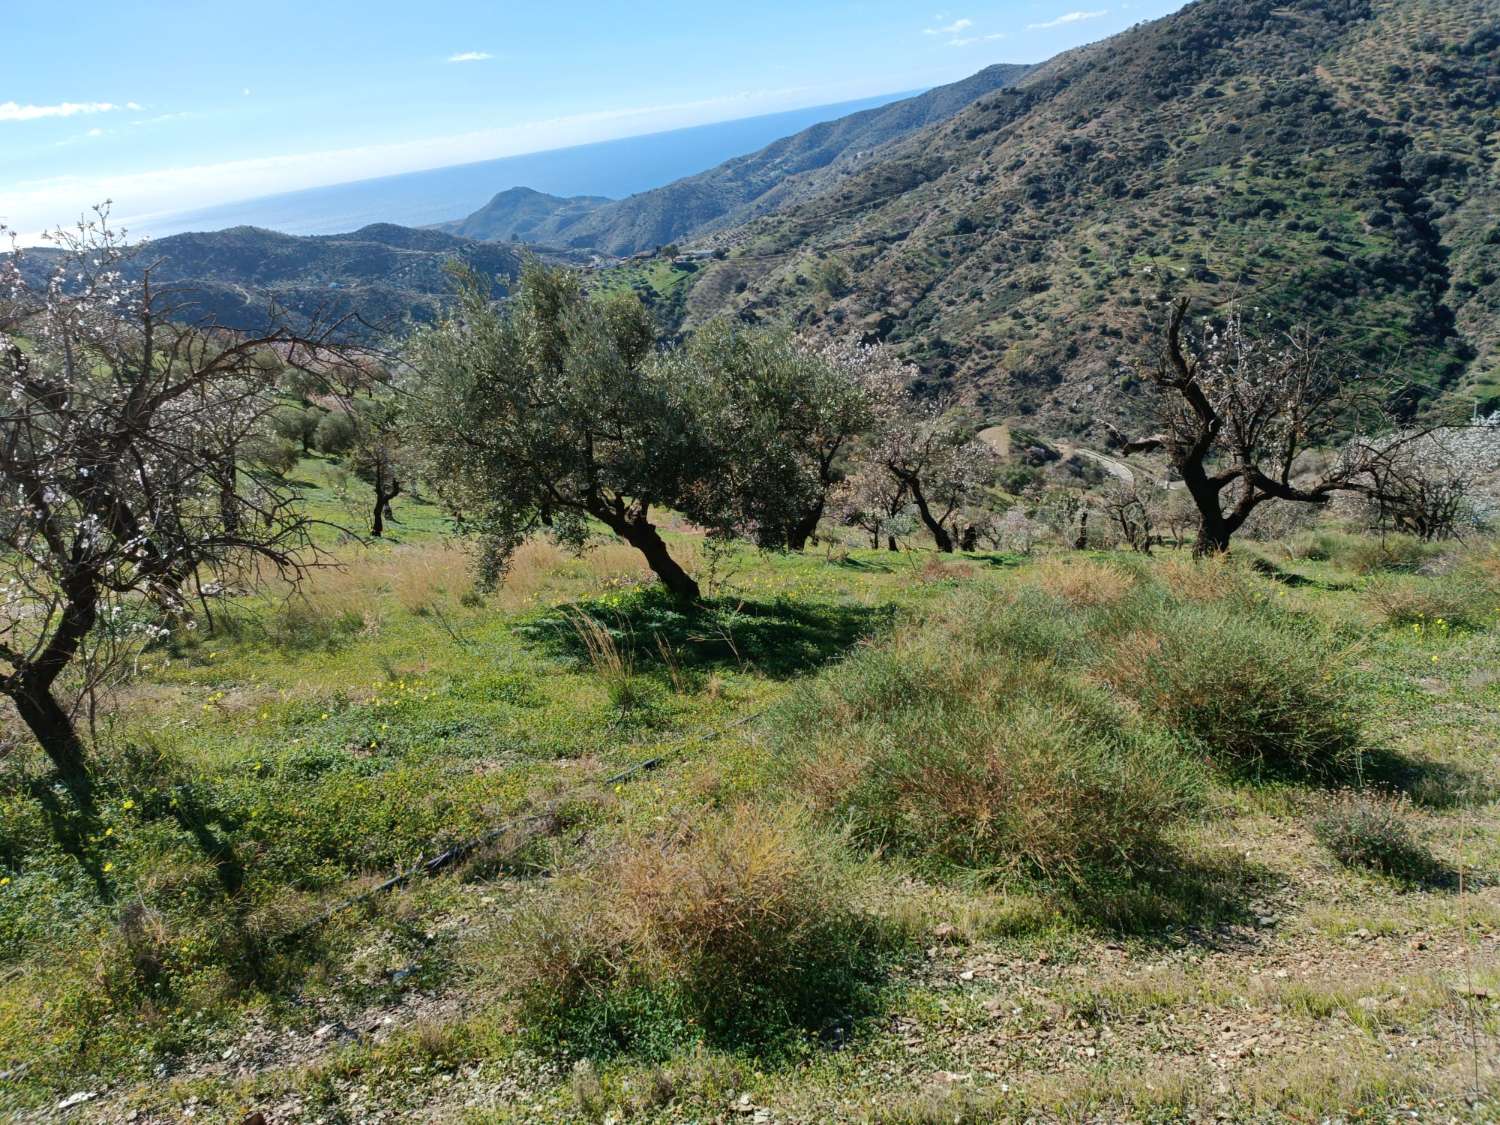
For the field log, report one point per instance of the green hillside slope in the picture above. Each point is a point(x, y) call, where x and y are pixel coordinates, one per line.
point(1334, 160)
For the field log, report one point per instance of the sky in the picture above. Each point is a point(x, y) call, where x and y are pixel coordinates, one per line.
point(166, 105)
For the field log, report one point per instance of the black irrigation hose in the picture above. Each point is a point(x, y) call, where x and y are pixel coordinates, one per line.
point(459, 852)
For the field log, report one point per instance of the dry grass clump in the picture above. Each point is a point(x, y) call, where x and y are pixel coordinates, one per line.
point(740, 930)
point(982, 759)
point(934, 569)
point(1373, 831)
point(1250, 690)
point(1367, 554)
point(1213, 579)
point(1467, 597)
point(1081, 582)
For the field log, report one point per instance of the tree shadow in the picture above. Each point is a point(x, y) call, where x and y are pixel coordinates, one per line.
point(1290, 578)
point(210, 830)
point(779, 637)
point(72, 816)
point(881, 565)
point(997, 559)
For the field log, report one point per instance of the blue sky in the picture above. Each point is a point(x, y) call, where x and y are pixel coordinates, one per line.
point(164, 105)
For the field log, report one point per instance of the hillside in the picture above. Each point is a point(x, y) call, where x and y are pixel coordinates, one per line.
point(1330, 159)
point(525, 214)
point(734, 191)
point(386, 273)
point(611, 169)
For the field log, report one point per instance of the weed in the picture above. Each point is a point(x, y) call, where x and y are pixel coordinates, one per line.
point(1246, 689)
point(982, 760)
point(1082, 583)
point(739, 932)
point(1369, 830)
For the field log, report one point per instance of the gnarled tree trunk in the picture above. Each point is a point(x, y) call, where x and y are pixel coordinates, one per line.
point(641, 534)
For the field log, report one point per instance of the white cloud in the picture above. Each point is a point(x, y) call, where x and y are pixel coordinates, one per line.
point(952, 29)
point(1070, 17)
point(95, 133)
point(969, 41)
point(245, 93)
point(470, 56)
point(14, 111)
point(162, 117)
point(35, 205)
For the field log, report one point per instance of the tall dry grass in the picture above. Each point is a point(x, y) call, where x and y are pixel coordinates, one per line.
point(739, 927)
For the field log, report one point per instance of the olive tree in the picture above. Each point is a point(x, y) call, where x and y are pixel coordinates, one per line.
point(783, 413)
point(121, 485)
point(550, 411)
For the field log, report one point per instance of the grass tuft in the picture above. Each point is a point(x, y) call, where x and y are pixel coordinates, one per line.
point(739, 932)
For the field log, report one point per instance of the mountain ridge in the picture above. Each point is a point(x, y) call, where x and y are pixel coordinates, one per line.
point(733, 191)
point(1336, 158)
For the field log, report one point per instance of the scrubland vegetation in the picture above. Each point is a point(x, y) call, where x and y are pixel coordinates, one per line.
point(518, 727)
point(1084, 835)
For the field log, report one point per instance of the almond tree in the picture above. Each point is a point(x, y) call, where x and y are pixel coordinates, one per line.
point(120, 488)
point(931, 450)
point(1237, 409)
point(874, 501)
point(1431, 484)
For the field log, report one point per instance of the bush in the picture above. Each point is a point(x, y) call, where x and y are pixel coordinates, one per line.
point(1245, 688)
point(1369, 554)
point(335, 433)
point(1468, 598)
point(741, 933)
point(1371, 831)
point(275, 454)
point(985, 760)
point(1082, 582)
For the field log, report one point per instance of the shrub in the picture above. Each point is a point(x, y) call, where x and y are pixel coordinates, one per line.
point(983, 760)
point(1083, 583)
point(1363, 829)
point(1317, 546)
point(335, 433)
point(1468, 598)
point(740, 932)
point(1369, 554)
point(1211, 579)
point(1245, 688)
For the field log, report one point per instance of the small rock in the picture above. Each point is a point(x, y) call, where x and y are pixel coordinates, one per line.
point(325, 1031)
point(944, 932)
point(77, 1099)
point(967, 974)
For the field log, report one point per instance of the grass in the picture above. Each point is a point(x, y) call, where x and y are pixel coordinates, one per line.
point(965, 753)
point(911, 820)
point(1373, 831)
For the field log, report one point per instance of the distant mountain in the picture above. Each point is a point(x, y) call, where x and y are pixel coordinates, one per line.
point(608, 168)
point(524, 214)
point(389, 275)
point(1329, 161)
point(737, 190)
